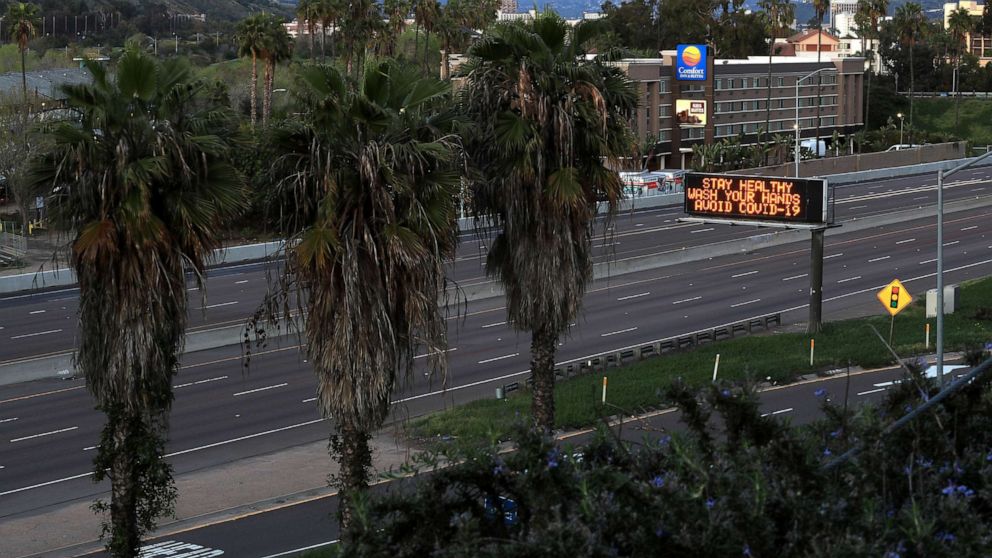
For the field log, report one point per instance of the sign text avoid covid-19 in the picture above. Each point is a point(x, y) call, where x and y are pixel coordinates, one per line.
point(755, 199)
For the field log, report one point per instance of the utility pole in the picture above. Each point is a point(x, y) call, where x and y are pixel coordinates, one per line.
point(815, 324)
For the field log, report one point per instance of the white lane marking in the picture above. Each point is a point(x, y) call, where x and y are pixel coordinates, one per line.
point(241, 438)
point(311, 400)
point(48, 483)
point(494, 324)
point(200, 382)
point(221, 304)
point(36, 334)
point(633, 296)
point(284, 384)
point(779, 412)
point(425, 355)
point(242, 282)
point(745, 303)
point(488, 360)
point(90, 448)
point(618, 332)
point(905, 241)
point(687, 300)
point(795, 277)
point(743, 274)
point(970, 228)
point(302, 549)
point(833, 256)
point(59, 431)
point(8, 420)
point(859, 207)
point(37, 312)
point(920, 198)
point(850, 279)
point(879, 259)
point(871, 391)
point(952, 243)
point(178, 549)
point(192, 289)
point(924, 262)
point(700, 230)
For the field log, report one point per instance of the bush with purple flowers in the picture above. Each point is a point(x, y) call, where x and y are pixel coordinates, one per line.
point(756, 487)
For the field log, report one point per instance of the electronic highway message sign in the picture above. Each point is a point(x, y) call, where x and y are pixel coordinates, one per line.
point(756, 199)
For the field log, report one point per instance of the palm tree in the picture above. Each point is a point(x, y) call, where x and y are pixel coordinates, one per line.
point(959, 25)
point(426, 14)
point(276, 47)
point(372, 172)
point(330, 12)
point(820, 7)
point(23, 18)
point(910, 23)
point(308, 11)
point(395, 11)
point(778, 16)
point(551, 126)
point(251, 36)
point(143, 184)
point(872, 13)
point(451, 28)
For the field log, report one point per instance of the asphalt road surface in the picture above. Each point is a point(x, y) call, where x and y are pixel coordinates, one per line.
point(48, 429)
point(293, 529)
point(37, 324)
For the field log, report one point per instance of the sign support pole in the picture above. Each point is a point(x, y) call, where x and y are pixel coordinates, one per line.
point(892, 325)
point(815, 324)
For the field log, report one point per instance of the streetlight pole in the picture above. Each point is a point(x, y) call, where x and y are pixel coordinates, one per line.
point(798, 82)
point(940, 259)
point(902, 118)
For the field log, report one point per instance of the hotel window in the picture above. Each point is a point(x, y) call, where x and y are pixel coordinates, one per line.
point(781, 81)
point(665, 135)
point(694, 133)
point(718, 83)
point(663, 86)
point(664, 111)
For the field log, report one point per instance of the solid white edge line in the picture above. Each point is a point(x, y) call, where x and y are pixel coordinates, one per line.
point(241, 438)
point(303, 549)
point(49, 483)
point(871, 391)
point(35, 334)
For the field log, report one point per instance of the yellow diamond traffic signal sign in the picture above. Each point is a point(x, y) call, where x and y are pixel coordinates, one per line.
point(894, 297)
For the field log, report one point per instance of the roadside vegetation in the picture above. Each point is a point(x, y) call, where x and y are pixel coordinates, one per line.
point(772, 358)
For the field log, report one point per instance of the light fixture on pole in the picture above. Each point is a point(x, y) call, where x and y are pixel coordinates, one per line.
point(816, 147)
point(796, 154)
point(902, 118)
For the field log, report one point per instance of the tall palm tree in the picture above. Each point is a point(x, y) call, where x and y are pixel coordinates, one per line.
point(451, 29)
point(23, 24)
point(778, 16)
point(873, 11)
point(277, 47)
point(143, 184)
point(551, 126)
point(426, 14)
point(308, 12)
point(820, 7)
point(395, 11)
point(331, 11)
point(251, 36)
point(910, 23)
point(959, 25)
point(372, 172)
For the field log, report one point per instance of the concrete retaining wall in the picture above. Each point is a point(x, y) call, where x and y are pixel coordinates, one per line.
point(868, 161)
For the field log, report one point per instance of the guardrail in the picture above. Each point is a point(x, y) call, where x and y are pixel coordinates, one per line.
point(634, 353)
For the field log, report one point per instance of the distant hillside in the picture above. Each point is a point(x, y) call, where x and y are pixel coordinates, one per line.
point(223, 10)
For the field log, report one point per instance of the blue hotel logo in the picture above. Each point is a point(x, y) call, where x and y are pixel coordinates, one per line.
point(690, 62)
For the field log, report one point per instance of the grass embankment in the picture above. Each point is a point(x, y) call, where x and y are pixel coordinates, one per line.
point(974, 122)
point(780, 356)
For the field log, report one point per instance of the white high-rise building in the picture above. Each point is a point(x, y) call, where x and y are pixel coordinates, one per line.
point(849, 7)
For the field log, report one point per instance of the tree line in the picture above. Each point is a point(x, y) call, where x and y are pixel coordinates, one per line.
point(368, 170)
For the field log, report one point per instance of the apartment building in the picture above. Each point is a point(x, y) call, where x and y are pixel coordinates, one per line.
point(731, 99)
point(977, 44)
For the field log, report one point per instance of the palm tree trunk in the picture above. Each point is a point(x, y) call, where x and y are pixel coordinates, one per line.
point(355, 457)
point(24, 78)
point(542, 370)
point(125, 480)
point(445, 68)
point(311, 29)
point(416, 41)
point(270, 70)
point(323, 42)
point(254, 88)
point(334, 29)
point(427, 50)
point(912, 85)
point(819, 85)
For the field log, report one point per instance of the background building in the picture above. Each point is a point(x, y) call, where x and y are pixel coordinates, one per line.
point(735, 96)
point(978, 44)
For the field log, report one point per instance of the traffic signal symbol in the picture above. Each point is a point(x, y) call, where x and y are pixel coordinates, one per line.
point(894, 298)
